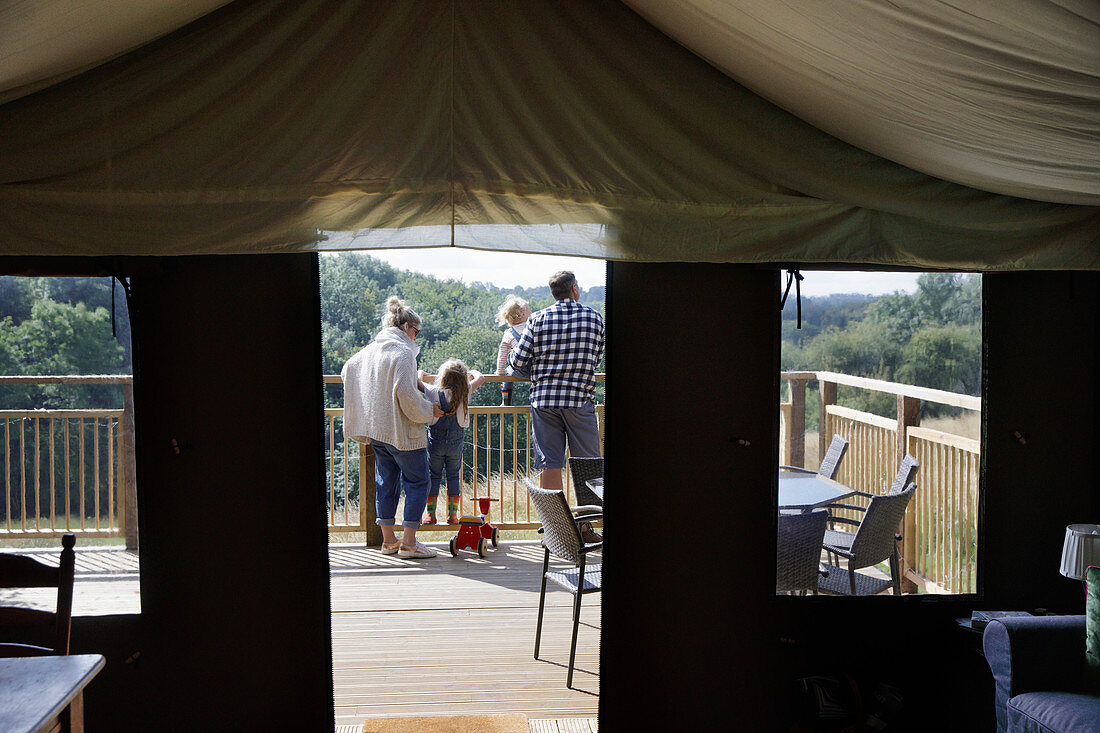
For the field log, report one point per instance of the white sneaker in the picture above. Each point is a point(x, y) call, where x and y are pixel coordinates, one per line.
point(418, 551)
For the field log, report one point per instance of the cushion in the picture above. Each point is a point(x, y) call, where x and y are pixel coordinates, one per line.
point(1045, 712)
point(1092, 630)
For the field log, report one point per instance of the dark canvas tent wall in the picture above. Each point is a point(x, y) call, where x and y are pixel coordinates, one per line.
point(568, 127)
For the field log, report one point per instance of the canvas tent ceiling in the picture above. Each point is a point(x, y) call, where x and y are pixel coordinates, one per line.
point(1003, 96)
point(572, 127)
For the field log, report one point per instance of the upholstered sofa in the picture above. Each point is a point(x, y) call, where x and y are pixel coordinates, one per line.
point(1038, 666)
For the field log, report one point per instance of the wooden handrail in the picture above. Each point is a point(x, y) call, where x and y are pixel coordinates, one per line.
point(953, 399)
point(43, 413)
point(68, 379)
point(876, 420)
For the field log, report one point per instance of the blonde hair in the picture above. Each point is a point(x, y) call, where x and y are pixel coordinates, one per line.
point(398, 314)
point(511, 311)
point(453, 375)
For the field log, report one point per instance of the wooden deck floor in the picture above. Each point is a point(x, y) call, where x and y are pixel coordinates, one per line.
point(444, 636)
point(454, 635)
point(418, 637)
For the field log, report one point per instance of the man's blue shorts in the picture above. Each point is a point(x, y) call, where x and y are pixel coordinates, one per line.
point(551, 425)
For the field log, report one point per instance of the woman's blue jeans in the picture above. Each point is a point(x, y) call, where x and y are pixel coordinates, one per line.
point(393, 467)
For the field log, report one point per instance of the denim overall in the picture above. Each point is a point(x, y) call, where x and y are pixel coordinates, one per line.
point(445, 454)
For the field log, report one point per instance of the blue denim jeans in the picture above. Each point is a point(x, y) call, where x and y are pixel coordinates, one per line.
point(392, 468)
point(445, 455)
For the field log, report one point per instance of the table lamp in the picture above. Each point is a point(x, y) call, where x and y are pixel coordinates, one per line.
point(1080, 550)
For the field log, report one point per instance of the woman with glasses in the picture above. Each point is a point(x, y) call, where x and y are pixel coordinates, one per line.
point(384, 404)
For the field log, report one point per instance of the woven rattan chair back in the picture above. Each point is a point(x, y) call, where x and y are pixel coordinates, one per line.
point(831, 462)
point(907, 472)
point(583, 470)
point(560, 533)
point(798, 550)
point(874, 540)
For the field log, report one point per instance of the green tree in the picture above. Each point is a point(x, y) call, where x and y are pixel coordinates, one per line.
point(16, 299)
point(862, 349)
point(62, 339)
point(475, 345)
point(353, 289)
point(944, 357)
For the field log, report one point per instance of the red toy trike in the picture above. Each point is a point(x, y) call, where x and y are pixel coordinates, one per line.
point(475, 530)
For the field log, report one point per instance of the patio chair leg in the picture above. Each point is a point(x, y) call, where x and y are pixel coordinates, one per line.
point(576, 624)
point(894, 574)
point(542, 601)
point(851, 578)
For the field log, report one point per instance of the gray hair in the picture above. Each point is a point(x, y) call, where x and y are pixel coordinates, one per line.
point(561, 284)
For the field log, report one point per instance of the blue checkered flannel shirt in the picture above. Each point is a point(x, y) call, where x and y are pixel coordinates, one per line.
point(564, 344)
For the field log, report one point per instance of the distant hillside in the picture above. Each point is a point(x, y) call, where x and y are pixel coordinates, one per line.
point(822, 311)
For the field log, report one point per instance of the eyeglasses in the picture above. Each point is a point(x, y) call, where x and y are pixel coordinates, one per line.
point(416, 330)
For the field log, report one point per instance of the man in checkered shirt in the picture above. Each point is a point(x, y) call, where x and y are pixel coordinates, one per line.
point(561, 347)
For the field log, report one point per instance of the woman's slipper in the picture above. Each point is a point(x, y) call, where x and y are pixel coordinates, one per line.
point(391, 548)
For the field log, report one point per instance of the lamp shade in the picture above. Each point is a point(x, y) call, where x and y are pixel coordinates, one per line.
point(1081, 549)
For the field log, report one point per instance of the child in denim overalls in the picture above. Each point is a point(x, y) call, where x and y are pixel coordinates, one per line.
point(453, 386)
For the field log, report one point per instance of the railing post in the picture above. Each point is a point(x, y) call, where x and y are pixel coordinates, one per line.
point(827, 391)
point(796, 434)
point(127, 470)
point(367, 515)
point(908, 416)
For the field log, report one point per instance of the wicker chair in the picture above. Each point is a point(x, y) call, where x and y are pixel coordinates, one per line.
point(19, 571)
point(562, 537)
point(583, 470)
point(907, 472)
point(830, 463)
point(873, 541)
point(798, 551)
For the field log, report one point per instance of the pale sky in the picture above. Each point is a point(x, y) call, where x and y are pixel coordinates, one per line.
point(505, 269)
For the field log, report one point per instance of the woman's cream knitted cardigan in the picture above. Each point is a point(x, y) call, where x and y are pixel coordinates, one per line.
point(381, 401)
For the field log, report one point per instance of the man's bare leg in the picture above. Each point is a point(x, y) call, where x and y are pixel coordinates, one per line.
point(550, 478)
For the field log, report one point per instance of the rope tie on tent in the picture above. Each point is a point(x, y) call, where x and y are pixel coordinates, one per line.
point(794, 276)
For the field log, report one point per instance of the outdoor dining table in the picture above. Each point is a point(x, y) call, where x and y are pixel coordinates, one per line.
point(807, 491)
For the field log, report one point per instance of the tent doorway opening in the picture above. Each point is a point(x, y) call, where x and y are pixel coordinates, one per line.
point(452, 634)
point(67, 421)
point(882, 379)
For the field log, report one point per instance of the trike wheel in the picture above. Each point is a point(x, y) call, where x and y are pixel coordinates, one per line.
point(454, 552)
point(494, 536)
point(481, 547)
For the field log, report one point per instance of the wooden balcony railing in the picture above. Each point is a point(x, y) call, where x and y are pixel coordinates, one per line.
point(940, 531)
point(73, 470)
point(499, 450)
point(69, 470)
